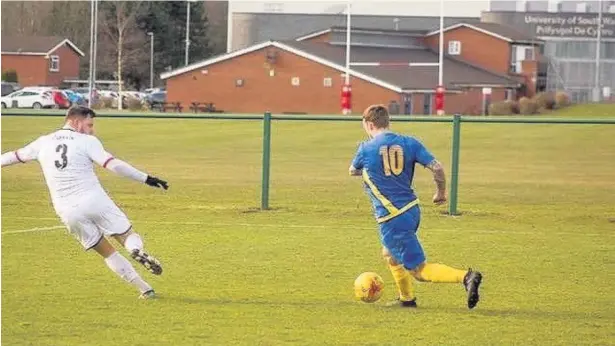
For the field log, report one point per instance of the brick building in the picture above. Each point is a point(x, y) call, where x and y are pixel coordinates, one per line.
point(41, 60)
point(306, 75)
point(497, 48)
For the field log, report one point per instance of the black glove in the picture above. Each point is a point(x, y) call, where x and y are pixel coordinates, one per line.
point(155, 182)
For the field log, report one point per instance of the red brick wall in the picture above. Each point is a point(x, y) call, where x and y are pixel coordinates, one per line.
point(31, 69)
point(478, 48)
point(34, 69)
point(261, 92)
point(529, 69)
point(69, 66)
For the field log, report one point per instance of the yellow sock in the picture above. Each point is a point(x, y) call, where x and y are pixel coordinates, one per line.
point(436, 272)
point(403, 280)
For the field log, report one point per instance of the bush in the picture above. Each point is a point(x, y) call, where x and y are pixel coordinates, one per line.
point(97, 104)
point(527, 106)
point(504, 108)
point(133, 104)
point(562, 99)
point(10, 76)
point(544, 100)
point(106, 102)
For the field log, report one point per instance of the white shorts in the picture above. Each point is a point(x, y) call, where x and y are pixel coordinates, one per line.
point(91, 226)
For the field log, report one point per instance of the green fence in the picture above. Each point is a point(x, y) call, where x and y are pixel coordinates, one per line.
point(268, 118)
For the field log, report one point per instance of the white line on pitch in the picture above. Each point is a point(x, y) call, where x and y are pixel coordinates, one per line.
point(302, 226)
point(35, 229)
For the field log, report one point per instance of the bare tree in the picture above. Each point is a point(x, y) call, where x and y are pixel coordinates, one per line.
point(23, 18)
point(120, 34)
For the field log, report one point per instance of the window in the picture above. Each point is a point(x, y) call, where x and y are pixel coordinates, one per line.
point(582, 7)
point(529, 53)
point(294, 81)
point(327, 82)
point(454, 47)
point(607, 50)
point(522, 6)
point(427, 104)
point(509, 94)
point(555, 6)
point(54, 63)
point(520, 53)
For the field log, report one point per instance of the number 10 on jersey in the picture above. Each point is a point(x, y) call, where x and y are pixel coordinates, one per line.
point(392, 159)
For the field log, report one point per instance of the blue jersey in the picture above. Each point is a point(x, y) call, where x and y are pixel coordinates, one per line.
point(387, 162)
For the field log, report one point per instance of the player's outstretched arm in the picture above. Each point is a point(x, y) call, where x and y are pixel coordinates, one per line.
point(10, 158)
point(124, 169)
point(439, 178)
point(23, 155)
point(98, 154)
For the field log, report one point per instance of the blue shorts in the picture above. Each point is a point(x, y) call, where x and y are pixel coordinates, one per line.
point(398, 235)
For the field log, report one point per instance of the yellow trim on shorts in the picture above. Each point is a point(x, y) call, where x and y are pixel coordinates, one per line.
point(399, 212)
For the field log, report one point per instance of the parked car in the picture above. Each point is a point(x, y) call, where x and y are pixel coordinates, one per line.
point(28, 98)
point(155, 101)
point(74, 98)
point(83, 91)
point(107, 93)
point(154, 90)
point(60, 99)
point(9, 87)
point(133, 94)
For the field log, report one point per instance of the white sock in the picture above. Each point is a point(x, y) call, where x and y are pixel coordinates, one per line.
point(120, 265)
point(133, 241)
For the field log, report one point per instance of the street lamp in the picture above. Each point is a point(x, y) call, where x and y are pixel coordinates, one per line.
point(151, 60)
point(596, 93)
point(188, 30)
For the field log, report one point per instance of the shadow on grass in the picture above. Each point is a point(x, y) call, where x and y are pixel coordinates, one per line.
point(460, 311)
point(514, 313)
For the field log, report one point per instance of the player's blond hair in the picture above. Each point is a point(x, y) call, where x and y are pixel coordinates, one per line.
point(377, 115)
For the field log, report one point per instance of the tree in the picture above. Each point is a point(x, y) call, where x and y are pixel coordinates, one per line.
point(23, 18)
point(71, 19)
point(167, 20)
point(120, 34)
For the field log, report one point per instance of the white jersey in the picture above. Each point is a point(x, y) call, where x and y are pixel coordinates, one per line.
point(67, 159)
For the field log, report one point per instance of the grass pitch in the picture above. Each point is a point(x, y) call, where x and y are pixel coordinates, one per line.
point(538, 204)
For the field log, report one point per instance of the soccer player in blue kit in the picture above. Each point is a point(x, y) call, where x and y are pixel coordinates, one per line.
point(386, 162)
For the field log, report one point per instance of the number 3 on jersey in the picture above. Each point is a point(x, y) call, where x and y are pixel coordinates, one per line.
point(392, 159)
point(62, 148)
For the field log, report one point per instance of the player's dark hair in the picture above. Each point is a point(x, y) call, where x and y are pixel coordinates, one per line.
point(80, 111)
point(377, 115)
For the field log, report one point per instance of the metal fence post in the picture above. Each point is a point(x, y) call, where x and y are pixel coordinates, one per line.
point(452, 207)
point(266, 161)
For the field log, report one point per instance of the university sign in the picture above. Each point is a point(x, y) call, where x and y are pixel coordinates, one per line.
point(572, 25)
point(546, 24)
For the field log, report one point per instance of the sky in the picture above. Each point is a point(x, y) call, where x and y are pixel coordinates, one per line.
point(454, 8)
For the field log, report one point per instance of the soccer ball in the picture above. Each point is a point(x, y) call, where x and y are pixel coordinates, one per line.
point(368, 287)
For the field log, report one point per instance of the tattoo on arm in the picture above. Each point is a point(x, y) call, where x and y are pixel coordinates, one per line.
point(438, 174)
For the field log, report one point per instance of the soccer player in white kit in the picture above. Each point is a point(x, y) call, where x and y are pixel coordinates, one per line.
point(67, 158)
